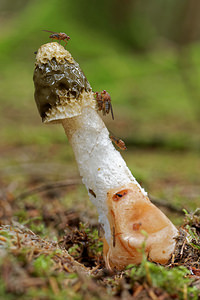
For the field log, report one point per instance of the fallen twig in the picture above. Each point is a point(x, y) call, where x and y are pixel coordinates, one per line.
point(49, 186)
point(164, 203)
point(72, 182)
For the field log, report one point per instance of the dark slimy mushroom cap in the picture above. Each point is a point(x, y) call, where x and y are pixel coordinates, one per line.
point(61, 88)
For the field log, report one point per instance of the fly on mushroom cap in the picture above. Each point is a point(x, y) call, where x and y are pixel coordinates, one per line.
point(61, 88)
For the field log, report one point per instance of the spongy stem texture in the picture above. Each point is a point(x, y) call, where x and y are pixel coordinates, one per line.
point(101, 166)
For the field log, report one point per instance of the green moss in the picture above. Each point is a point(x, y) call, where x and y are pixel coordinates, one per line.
point(42, 265)
point(174, 280)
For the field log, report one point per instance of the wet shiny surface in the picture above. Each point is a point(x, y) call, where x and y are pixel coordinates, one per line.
point(52, 79)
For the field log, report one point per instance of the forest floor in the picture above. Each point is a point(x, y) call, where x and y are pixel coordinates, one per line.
point(50, 246)
point(50, 242)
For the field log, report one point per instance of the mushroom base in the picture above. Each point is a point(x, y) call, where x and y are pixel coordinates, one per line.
point(136, 225)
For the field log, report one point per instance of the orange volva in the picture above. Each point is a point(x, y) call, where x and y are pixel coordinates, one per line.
point(136, 223)
point(61, 36)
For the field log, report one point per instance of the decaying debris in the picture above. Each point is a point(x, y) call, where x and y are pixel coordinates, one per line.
point(187, 250)
point(28, 262)
point(25, 253)
point(84, 245)
point(22, 237)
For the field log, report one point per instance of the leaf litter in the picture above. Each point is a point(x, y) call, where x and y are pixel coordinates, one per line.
point(48, 251)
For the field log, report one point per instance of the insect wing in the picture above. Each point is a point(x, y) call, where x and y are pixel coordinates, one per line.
point(107, 107)
point(111, 111)
point(49, 31)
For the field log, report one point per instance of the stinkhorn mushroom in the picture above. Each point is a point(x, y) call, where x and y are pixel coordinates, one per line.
point(64, 95)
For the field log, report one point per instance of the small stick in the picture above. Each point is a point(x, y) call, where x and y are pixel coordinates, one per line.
point(48, 186)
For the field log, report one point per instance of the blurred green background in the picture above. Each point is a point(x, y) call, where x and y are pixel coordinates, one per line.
point(144, 53)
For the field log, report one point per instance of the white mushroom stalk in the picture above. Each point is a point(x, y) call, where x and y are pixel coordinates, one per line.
point(63, 95)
